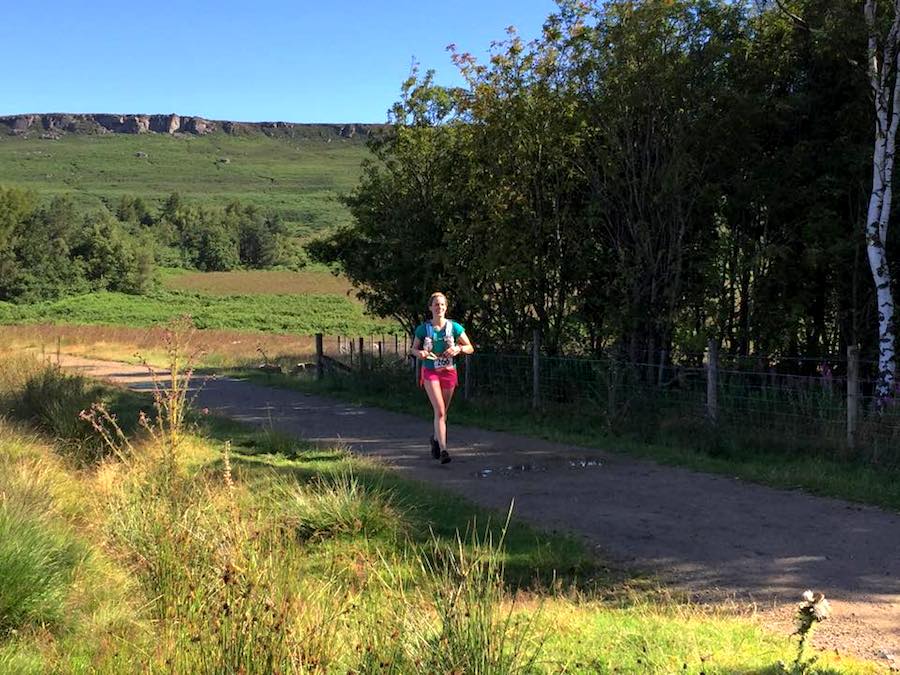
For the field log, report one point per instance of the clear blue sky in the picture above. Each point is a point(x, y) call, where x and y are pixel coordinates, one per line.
point(297, 61)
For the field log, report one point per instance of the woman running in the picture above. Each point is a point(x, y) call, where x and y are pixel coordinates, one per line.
point(437, 343)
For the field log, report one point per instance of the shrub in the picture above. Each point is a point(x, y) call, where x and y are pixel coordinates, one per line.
point(52, 401)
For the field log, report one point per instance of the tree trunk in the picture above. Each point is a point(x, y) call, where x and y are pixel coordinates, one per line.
point(886, 90)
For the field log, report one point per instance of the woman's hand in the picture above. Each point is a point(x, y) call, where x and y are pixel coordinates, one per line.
point(455, 350)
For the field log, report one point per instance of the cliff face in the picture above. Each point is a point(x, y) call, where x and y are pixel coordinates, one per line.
point(55, 124)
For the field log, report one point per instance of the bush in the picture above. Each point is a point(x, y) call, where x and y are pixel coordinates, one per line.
point(52, 401)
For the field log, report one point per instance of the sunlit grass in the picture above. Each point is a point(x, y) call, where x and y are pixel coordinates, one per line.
point(312, 560)
point(299, 180)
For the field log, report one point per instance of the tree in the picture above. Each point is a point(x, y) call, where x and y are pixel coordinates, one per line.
point(884, 78)
point(403, 208)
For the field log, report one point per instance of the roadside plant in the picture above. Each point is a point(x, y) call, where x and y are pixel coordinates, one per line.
point(813, 610)
point(477, 633)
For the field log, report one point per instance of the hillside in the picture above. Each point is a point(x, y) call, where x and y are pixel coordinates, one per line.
point(298, 171)
point(53, 125)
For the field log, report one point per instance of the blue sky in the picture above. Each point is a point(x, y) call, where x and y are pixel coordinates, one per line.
point(292, 61)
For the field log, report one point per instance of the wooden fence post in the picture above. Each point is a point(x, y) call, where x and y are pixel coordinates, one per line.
point(362, 348)
point(320, 353)
point(852, 394)
point(536, 369)
point(712, 381)
point(396, 344)
point(350, 343)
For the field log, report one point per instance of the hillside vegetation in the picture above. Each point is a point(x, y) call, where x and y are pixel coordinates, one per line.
point(297, 179)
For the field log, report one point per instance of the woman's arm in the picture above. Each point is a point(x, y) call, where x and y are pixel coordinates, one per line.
point(463, 345)
point(417, 350)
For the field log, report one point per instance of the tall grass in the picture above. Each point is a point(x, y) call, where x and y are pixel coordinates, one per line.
point(52, 401)
point(37, 563)
point(479, 631)
point(334, 506)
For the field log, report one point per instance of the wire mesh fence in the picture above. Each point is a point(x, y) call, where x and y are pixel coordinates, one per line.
point(724, 402)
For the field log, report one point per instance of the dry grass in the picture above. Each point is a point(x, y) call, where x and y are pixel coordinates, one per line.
point(262, 282)
point(221, 347)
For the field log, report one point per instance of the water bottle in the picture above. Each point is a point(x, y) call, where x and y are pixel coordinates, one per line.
point(427, 344)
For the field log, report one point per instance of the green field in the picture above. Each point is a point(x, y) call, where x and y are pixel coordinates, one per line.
point(300, 179)
point(300, 314)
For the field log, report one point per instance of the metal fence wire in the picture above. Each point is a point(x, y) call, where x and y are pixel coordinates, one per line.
point(795, 404)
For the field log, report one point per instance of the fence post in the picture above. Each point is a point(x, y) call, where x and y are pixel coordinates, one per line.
point(712, 378)
point(396, 344)
point(320, 353)
point(362, 348)
point(467, 385)
point(380, 351)
point(536, 369)
point(852, 394)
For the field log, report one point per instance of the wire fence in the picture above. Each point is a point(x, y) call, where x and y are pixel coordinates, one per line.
point(799, 404)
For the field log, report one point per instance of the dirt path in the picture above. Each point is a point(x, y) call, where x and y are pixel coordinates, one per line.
point(710, 535)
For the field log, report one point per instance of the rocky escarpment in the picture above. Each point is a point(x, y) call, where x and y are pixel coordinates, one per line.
point(56, 124)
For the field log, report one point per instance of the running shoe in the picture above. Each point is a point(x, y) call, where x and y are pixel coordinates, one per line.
point(435, 448)
point(445, 456)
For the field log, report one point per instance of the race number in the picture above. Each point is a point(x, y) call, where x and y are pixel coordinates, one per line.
point(443, 362)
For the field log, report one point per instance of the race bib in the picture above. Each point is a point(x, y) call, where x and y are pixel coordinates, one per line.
point(443, 362)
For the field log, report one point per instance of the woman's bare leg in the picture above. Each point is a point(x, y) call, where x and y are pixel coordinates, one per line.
point(436, 396)
point(447, 396)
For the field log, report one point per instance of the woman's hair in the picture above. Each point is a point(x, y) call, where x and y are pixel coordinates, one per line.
point(436, 294)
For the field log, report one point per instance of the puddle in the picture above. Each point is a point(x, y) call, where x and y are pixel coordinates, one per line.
point(513, 469)
point(585, 463)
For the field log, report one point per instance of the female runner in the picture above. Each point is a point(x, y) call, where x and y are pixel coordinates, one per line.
point(437, 343)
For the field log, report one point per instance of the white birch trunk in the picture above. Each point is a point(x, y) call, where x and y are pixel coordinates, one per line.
point(886, 90)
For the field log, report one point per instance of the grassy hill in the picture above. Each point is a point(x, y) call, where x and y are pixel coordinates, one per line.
point(300, 179)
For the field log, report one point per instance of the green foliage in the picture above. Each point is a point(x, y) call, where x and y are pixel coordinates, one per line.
point(52, 251)
point(298, 179)
point(36, 566)
point(336, 506)
point(52, 401)
point(304, 314)
point(644, 176)
point(215, 582)
point(394, 252)
point(476, 634)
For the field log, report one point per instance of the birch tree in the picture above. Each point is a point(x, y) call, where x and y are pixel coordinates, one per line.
point(883, 76)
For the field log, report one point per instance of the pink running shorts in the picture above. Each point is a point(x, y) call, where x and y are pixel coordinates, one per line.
point(446, 376)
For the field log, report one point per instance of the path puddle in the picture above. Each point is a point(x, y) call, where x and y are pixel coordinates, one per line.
point(585, 463)
point(514, 469)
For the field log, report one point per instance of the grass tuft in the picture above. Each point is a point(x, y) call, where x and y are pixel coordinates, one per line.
point(336, 506)
point(37, 562)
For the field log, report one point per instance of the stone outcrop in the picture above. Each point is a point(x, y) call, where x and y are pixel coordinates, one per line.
point(60, 123)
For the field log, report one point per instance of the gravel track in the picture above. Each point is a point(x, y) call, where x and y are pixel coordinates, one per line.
point(712, 536)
